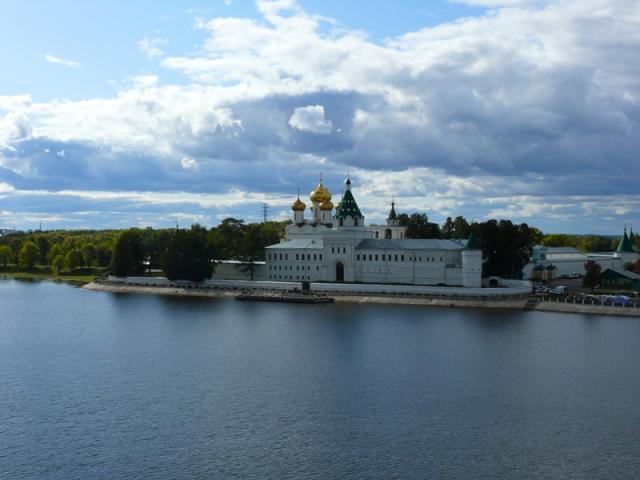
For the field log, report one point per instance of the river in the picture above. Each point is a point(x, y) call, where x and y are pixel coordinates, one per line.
point(103, 385)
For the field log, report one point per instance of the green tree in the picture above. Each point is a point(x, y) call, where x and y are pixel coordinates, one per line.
point(54, 251)
point(43, 246)
point(59, 263)
point(225, 237)
point(506, 247)
point(74, 259)
point(128, 254)
point(251, 247)
point(461, 229)
point(28, 255)
point(591, 277)
point(418, 226)
point(88, 254)
point(103, 254)
point(188, 255)
point(6, 255)
point(448, 228)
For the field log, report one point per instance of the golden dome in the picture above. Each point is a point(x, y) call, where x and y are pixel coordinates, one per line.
point(298, 206)
point(319, 194)
point(326, 204)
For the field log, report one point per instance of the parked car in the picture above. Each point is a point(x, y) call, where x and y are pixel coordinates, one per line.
point(559, 290)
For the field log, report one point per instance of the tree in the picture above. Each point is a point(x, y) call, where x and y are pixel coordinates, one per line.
point(54, 251)
point(58, 263)
point(252, 244)
point(418, 226)
point(188, 255)
point(28, 255)
point(103, 254)
point(591, 277)
point(461, 229)
point(506, 247)
point(88, 254)
point(128, 254)
point(74, 259)
point(224, 238)
point(6, 255)
point(43, 246)
point(448, 227)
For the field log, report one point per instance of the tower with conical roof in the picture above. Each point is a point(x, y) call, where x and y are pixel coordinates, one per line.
point(348, 213)
point(625, 249)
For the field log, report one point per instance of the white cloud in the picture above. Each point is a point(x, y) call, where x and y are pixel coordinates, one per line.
point(151, 47)
point(189, 163)
point(541, 97)
point(14, 127)
point(60, 61)
point(310, 119)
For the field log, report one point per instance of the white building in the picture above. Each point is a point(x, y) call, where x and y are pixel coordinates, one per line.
point(553, 262)
point(336, 246)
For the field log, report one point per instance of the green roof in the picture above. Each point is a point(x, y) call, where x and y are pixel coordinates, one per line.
point(473, 243)
point(625, 244)
point(348, 207)
point(392, 213)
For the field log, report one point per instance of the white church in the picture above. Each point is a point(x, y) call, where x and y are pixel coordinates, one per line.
point(335, 245)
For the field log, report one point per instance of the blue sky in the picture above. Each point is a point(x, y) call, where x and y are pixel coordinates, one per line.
point(144, 113)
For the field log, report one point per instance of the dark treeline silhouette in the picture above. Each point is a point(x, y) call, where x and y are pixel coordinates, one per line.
point(191, 254)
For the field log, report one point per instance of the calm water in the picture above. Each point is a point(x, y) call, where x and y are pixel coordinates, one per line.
point(100, 385)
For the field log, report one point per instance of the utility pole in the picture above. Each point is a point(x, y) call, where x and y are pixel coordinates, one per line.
point(265, 210)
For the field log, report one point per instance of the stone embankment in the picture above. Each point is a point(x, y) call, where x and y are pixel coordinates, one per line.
point(221, 289)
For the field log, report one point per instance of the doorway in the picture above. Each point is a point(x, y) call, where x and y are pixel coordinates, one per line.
point(339, 272)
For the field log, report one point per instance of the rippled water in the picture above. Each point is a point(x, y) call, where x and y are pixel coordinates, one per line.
point(100, 385)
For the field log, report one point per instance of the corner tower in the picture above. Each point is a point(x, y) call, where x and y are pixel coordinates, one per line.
point(472, 263)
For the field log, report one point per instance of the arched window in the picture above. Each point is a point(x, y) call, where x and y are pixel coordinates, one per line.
point(387, 234)
point(355, 221)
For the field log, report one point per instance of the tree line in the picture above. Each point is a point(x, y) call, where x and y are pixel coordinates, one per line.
point(191, 254)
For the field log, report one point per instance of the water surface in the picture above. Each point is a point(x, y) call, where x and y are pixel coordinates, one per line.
point(102, 385)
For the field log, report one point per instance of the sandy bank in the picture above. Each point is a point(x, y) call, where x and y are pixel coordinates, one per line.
point(588, 309)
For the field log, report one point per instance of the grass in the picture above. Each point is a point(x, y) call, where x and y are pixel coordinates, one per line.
point(45, 273)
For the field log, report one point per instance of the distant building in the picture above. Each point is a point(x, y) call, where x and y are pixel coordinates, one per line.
point(335, 245)
point(612, 279)
point(552, 262)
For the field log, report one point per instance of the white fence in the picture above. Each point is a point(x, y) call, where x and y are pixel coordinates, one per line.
point(511, 288)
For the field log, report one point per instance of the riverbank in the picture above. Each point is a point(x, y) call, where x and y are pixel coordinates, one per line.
point(514, 304)
point(434, 302)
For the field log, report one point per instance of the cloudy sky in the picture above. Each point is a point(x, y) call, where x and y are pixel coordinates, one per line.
point(116, 115)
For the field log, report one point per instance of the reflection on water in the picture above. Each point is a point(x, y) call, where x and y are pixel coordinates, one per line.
point(100, 385)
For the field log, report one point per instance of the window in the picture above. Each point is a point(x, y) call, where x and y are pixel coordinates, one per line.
point(376, 258)
point(296, 256)
point(333, 250)
point(341, 223)
point(320, 257)
point(377, 234)
point(402, 258)
point(317, 268)
point(315, 257)
point(286, 256)
point(396, 258)
point(344, 249)
point(370, 257)
point(358, 257)
point(384, 257)
point(355, 221)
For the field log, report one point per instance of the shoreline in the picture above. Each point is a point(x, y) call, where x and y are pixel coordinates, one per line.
point(513, 304)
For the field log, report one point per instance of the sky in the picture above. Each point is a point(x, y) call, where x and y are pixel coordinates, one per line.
point(148, 113)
